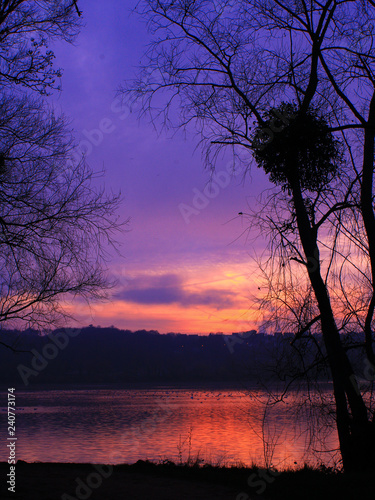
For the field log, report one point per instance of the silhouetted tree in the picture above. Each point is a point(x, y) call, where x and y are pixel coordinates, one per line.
point(55, 223)
point(294, 84)
point(26, 29)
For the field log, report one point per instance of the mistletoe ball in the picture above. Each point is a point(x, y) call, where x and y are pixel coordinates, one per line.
point(291, 145)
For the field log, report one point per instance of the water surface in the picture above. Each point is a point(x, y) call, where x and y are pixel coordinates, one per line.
point(165, 423)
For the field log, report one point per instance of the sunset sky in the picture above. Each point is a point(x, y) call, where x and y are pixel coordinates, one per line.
point(180, 270)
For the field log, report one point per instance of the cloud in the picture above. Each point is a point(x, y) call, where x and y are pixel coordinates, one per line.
point(169, 289)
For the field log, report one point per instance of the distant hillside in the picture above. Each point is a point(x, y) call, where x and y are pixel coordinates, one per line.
point(107, 355)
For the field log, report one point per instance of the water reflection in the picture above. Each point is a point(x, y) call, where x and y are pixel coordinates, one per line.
point(117, 426)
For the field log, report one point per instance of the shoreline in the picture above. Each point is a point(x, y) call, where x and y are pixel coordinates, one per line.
point(145, 480)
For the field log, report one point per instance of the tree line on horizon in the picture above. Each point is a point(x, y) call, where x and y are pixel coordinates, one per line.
point(94, 355)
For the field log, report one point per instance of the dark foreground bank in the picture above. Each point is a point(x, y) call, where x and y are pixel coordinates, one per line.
point(147, 481)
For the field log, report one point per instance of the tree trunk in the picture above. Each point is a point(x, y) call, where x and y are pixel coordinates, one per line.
point(368, 216)
point(355, 431)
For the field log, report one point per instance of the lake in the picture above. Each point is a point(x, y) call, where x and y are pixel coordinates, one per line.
point(227, 426)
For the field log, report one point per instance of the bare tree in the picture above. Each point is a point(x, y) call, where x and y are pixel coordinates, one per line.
point(56, 225)
point(294, 84)
point(26, 29)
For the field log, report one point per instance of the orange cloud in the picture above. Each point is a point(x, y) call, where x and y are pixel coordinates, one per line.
point(195, 299)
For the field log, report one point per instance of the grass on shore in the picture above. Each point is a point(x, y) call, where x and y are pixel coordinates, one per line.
point(256, 482)
point(241, 483)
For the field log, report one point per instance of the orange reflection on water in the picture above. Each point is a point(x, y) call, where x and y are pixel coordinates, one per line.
point(123, 426)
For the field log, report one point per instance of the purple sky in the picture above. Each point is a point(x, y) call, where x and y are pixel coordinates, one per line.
point(180, 271)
